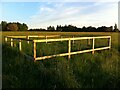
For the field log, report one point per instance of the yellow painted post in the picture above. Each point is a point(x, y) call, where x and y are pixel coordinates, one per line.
point(28, 38)
point(11, 42)
point(110, 42)
point(5, 39)
point(69, 48)
point(93, 45)
point(20, 45)
point(34, 50)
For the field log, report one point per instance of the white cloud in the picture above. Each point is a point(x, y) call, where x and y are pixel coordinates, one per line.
point(62, 13)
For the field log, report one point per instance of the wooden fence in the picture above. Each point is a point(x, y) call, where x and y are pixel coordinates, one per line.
point(69, 53)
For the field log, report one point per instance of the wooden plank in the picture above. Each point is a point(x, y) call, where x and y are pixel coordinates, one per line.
point(69, 48)
point(11, 42)
point(6, 39)
point(28, 39)
point(110, 42)
point(16, 36)
point(20, 45)
point(65, 39)
point(44, 36)
point(34, 50)
point(102, 48)
point(93, 45)
point(45, 57)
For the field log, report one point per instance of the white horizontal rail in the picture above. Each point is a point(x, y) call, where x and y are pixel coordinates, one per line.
point(102, 48)
point(45, 57)
point(27, 37)
point(66, 39)
point(34, 36)
point(16, 36)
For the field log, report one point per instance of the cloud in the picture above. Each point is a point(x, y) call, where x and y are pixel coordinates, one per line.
point(94, 14)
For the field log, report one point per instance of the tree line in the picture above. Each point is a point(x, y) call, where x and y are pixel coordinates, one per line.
point(71, 28)
point(13, 26)
point(16, 26)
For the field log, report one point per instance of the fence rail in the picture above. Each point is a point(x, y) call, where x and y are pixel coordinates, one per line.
point(69, 53)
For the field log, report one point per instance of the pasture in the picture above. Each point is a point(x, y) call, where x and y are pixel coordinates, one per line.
point(86, 70)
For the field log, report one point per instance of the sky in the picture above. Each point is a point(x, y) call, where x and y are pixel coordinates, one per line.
point(50, 13)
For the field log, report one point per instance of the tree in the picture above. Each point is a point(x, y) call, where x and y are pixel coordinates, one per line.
point(115, 28)
point(51, 28)
point(58, 28)
point(83, 28)
point(4, 25)
point(24, 27)
point(12, 27)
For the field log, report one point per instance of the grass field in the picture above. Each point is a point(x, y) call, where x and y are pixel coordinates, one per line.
point(101, 70)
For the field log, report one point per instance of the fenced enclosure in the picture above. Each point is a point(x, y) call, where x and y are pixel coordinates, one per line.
point(43, 47)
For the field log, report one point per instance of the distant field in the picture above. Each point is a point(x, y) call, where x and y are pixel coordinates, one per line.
point(113, 35)
point(54, 33)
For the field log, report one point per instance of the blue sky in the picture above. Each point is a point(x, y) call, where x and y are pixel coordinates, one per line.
point(43, 14)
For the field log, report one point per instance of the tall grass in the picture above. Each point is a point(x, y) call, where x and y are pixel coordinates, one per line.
point(101, 70)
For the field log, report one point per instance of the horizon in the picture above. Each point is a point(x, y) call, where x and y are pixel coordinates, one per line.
point(44, 14)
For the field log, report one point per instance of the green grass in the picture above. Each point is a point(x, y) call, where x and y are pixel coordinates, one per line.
point(101, 70)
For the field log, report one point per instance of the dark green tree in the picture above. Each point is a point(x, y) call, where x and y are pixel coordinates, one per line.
point(4, 25)
point(24, 27)
point(12, 27)
point(58, 28)
point(115, 28)
point(51, 28)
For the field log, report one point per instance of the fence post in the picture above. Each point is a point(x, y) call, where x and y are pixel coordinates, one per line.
point(11, 42)
point(5, 39)
point(20, 46)
point(93, 45)
point(34, 44)
point(28, 38)
point(110, 42)
point(69, 48)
